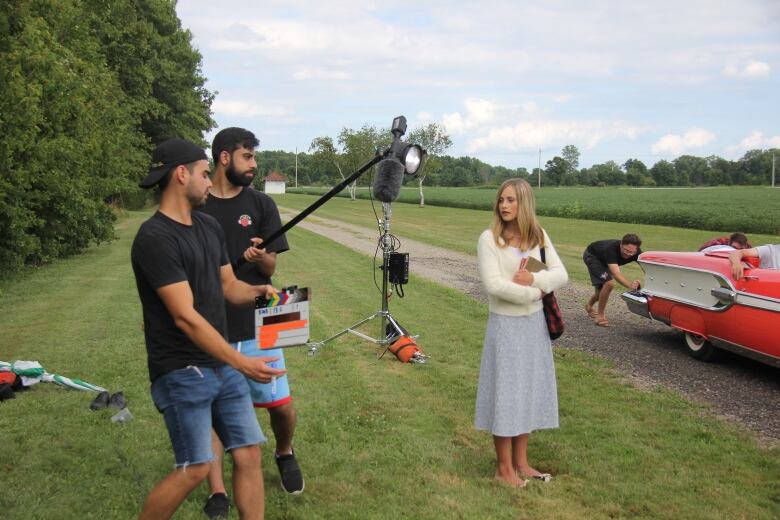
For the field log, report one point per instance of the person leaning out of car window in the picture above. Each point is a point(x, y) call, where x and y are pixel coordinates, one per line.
point(768, 258)
point(733, 241)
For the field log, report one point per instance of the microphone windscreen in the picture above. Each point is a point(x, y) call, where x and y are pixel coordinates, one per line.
point(388, 177)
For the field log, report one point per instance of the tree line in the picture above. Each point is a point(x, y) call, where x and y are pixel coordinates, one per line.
point(326, 157)
point(87, 89)
point(753, 168)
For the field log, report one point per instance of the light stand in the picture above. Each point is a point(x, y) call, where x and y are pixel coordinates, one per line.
point(384, 338)
point(409, 159)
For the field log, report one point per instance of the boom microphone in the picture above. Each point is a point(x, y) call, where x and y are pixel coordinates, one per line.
point(317, 203)
point(388, 177)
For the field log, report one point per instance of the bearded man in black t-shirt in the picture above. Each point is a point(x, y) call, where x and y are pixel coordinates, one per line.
point(246, 216)
point(603, 259)
point(184, 276)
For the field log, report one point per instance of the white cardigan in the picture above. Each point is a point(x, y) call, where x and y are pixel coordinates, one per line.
point(497, 266)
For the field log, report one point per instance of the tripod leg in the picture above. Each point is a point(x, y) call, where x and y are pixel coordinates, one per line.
point(398, 331)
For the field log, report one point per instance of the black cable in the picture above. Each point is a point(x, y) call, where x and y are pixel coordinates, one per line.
point(373, 264)
point(395, 244)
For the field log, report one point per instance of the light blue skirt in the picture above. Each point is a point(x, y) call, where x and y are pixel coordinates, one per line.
point(517, 392)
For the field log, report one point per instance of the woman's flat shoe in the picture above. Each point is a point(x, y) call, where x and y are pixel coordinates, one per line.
point(544, 477)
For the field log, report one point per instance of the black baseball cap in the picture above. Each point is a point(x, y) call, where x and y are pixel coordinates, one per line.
point(169, 154)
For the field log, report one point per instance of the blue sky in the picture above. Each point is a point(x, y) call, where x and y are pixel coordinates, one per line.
point(619, 80)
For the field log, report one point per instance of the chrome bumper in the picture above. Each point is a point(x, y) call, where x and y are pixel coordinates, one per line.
point(637, 303)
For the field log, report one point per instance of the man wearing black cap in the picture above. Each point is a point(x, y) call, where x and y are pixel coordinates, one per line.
point(246, 214)
point(183, 277)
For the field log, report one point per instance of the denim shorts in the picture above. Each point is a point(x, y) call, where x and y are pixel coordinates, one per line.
point(194, 400)
point(266, 395)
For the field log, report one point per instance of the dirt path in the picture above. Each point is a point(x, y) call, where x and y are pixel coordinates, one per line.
point(648, 352)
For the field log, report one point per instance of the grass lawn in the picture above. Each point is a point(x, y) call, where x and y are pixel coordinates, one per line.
point(376, 439)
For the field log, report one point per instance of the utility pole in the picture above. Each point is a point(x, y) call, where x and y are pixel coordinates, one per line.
point(296, 166)
point(539, 170)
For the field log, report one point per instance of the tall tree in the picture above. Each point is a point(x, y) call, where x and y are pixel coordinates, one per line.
point(66, 143)
point(720, 170)
point(157, 66)
point(692, 171)
point(554, 171)
point(636, 172)
point(756, 166)
point(608, 174)
point(85, 89)
point(571, 155)
point(324, 161)
point(663, 173)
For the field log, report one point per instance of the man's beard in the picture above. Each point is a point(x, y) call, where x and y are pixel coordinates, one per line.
point(195, 201)
point(236, 179)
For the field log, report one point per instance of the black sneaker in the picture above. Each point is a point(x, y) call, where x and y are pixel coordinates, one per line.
point(117, 401)
point(100, 402)
point(217, 506)
point(290, 472)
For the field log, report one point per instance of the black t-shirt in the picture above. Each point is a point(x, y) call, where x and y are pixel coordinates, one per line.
point(608, 251)
point(166, 252)
point(249, 214)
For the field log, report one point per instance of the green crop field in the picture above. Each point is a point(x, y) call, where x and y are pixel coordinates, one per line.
point(747, 209)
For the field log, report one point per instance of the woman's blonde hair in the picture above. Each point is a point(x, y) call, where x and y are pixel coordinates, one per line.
point(531, 234)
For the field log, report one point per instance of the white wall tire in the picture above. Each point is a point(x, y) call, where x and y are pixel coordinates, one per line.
point(699, 348)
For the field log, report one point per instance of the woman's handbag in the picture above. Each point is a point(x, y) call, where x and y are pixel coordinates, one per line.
point(552, 313)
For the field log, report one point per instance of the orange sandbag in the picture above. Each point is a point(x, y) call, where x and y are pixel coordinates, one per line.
point(404, 349)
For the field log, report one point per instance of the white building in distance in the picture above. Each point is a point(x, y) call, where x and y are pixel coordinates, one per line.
point(274, 182)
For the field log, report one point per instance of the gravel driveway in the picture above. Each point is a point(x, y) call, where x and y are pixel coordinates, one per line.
point(736, 388)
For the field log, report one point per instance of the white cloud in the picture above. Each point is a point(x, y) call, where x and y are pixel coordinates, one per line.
point(755, 141)
point(478, 112)
point(672, 144)
point(423, 118)
point(319, 73)
point(567, 38)
point(481, 114)
point(529, 108)
point(245, 109)
point(541, 134)
point(562, 98)
point(491, 126)
point(753, 69)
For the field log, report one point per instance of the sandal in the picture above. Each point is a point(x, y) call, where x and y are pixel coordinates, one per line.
point(590, 311)
point(602, 323)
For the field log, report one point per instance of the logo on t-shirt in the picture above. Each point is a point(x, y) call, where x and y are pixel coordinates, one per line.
point(245, 220)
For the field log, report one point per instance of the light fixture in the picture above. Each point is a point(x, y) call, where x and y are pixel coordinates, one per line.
point(410, 155)
point(412, 158)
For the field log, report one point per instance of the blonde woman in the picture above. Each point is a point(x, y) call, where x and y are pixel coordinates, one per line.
point(517, 393)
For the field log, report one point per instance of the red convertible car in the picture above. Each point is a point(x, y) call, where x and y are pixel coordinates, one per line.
point(696, 293)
